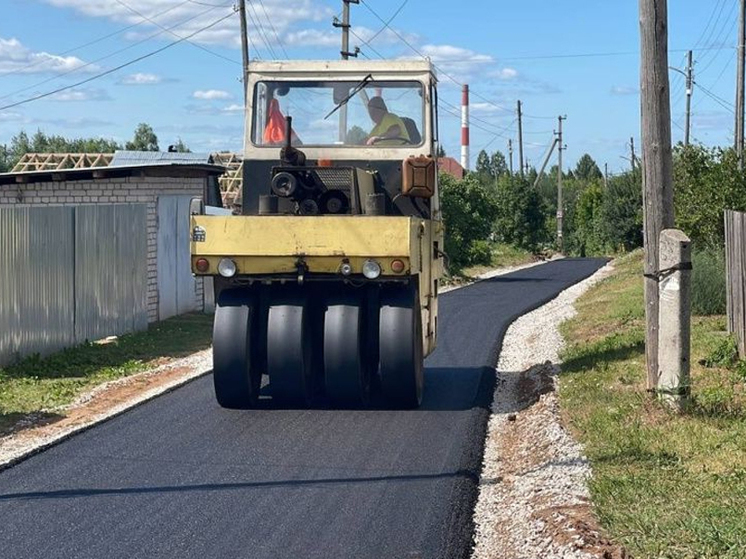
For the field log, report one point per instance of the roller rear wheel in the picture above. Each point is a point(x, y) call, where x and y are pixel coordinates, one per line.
point(400, 354)
point(290, 350)
point(236, 377)
point(346, 373)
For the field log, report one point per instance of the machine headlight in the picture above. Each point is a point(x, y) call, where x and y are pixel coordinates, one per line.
point(371, 269)
point(227, 268)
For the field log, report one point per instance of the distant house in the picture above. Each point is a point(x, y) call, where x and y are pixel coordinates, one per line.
point(451, 166)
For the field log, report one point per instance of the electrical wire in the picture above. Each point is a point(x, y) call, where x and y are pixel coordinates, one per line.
point(274, 30)
point(105, 57)
point(260, 29)
point(197, 45)
point(94, 41)
point(112, 70)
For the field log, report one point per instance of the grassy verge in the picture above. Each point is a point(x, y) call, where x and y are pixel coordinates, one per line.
point(36, 384)
point(502, 256)
point(665, 486)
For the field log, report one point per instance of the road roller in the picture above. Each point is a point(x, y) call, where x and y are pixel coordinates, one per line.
point(326, 277)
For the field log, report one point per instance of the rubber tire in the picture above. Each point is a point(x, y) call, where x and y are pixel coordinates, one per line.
point(235, 377)
point(290, 357)
point(401, 358)
point(346, 376)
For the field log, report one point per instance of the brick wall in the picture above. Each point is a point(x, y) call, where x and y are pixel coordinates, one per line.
point(143, 190)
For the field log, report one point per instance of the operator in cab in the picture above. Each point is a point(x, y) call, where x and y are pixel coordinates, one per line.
point(389, 129)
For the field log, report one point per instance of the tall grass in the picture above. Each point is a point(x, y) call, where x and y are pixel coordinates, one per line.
point(708, 281)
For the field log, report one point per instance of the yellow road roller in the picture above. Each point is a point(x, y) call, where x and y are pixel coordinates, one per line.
point(327, 281)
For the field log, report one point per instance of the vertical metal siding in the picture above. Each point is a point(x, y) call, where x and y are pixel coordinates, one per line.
point(176, 285)
point(110, 270)
point(36, 280)
point(68, 274)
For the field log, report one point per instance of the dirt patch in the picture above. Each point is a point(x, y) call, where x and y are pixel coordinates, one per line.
point(38, 431)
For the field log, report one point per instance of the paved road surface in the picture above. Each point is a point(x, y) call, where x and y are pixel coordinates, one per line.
point(181, 478)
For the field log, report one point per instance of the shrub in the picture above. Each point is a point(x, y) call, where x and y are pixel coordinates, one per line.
point(480, 253)
point(708, 281)
point(469, 210)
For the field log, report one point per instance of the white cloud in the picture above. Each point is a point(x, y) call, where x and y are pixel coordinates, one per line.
point(233, 108)
point(459, 63)
point(185, 18)
point(15, 57)
point(81, 95)
point(141, 79)
point(211, 94)
point(505, 74)
point(624, 90)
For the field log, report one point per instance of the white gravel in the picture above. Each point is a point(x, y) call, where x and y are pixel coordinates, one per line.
point(533, 497)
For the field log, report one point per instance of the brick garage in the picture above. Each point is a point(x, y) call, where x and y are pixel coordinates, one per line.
point(143, 184)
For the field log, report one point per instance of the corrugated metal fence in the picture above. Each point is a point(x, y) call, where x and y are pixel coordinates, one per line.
point(70, 274)
point(735, 265)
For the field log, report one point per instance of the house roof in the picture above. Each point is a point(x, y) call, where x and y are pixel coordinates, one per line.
point(154, 169)
point(125, 158)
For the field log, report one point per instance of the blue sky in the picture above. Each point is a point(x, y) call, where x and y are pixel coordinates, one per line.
point(578, 58)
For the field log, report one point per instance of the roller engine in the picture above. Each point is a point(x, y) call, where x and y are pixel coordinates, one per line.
point(326, 285)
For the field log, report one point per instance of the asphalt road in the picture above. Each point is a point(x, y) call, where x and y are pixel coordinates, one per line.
point(180, 477)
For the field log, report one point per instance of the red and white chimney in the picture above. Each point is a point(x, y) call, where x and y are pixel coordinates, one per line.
point(465, 128)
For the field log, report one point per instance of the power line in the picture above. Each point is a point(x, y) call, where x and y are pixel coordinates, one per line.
point(216, 54)
point(272, 26)
point(92, 62)
point(94, 41)
point(112, 70)
point(260, 29)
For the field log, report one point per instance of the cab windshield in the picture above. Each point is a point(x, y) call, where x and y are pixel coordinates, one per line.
point(375, 114)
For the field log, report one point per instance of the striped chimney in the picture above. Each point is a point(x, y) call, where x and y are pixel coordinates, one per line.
point(465, 128)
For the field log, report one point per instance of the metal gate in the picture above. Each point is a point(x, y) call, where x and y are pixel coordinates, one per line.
point(176, 285)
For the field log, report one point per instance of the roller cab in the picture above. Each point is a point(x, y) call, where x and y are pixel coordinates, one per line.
point(327, 280)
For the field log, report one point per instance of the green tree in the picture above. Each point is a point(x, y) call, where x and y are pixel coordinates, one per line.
point(588, 235)
point(357, 136)
point(469, 211)
point(498, 164)
point(521, 218)
point(483, 169)
point(441, 151)
point(144, 139)
point(179, 147)
point(5, 158)
point(586, 169)
point(621, 212)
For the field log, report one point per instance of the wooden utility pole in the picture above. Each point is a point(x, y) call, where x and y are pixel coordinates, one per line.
point(560, 203)
point(244, 49)
point(657, 162)
point(510, 151)
point(606, 176)
point(633, 157)
point(740, 73)
point(520, 138)
point(689, 86)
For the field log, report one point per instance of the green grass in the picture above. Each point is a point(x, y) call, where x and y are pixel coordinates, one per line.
point(502, 255)
point(664, 485)
point(708, 281)
point(36, 384)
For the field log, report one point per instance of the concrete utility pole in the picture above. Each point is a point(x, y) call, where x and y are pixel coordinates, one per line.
point(345, 26)
point(633, 157)
point(674, 353)
point(510, 151)
point(520, 138)
point(546, 161)
point(606, 176)
point(560, 203)
point(689, 85)
point(657, 162)
point(740, 73)
point(244, 49)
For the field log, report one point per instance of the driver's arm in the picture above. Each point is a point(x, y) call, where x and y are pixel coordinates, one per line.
point(393, 132)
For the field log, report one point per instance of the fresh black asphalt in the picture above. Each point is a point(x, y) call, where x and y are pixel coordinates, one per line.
point(179, 477)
